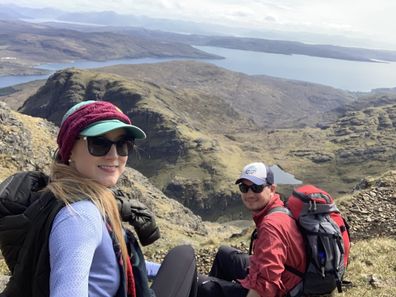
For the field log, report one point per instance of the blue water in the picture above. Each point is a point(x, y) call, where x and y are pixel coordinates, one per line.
point(348, 75)
point(10, 80)
point(342, 74)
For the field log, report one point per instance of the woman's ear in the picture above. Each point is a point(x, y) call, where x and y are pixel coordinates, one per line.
point(70, 161)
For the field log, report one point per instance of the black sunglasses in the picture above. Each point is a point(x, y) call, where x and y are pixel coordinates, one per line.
point(99, 146)
point(255, 188)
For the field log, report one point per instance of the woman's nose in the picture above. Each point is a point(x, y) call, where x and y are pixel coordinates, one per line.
point(112, 153)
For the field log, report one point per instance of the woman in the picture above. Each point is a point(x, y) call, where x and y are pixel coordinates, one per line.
point(88, 252)
point(68, 240)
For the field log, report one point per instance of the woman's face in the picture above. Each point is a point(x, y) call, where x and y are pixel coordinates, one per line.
point(104, 169)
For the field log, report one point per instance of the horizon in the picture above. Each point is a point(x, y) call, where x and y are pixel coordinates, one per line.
point(354, 24)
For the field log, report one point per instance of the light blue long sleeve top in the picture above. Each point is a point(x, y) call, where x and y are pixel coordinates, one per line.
point(82, 258)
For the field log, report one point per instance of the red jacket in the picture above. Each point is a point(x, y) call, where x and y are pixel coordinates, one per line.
point(278, 243)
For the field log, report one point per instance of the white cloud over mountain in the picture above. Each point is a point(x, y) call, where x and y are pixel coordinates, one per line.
point(357, 18)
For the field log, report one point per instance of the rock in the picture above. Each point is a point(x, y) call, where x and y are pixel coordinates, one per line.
point(19, 148)
point(375, 282)
point(313, 155)
point(371, 211)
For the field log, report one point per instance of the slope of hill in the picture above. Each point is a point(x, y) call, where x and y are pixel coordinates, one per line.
point(377, 97)
point(31, 44)
point(371, 207)
point(178, 154)
point(270, 102)
point(198, 139)
point(16, 95)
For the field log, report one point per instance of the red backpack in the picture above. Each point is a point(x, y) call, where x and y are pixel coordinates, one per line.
point(326, 237)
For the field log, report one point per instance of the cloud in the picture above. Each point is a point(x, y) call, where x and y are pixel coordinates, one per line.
point(364, 18)
point(270, 19)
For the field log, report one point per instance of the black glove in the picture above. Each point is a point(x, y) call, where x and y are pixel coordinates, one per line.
point(139, 216)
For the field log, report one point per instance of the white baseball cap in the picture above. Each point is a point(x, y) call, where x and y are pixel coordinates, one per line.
point(257, 173)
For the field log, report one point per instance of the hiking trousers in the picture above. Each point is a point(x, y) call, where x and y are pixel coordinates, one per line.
point(177, 275)
point(229, 265)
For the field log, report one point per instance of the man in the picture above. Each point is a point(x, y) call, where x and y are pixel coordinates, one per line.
point(278, 244)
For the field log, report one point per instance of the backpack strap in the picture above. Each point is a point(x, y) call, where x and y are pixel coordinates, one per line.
point(296, 291)
point(308, 197)
point(253, 237)
point(278, 209)
point(294, 271)
point(285, 210)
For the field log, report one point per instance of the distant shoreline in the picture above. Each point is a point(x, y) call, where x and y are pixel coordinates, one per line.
point(355, 76)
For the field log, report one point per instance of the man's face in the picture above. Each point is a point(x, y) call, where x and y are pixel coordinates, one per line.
point(257, 201)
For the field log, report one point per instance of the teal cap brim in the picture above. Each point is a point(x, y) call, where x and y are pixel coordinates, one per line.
point(106, 126)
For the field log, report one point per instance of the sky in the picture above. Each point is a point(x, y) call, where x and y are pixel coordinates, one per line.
point(357, 19)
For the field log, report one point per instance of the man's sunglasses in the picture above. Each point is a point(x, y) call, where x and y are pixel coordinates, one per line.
point(255, 188)
point(99, 146)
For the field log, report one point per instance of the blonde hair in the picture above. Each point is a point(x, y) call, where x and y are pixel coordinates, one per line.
point(69, 186)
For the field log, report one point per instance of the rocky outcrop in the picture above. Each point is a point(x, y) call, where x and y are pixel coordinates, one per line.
point(168, 211)
point(20, 147)
point(371, 209)
point(314, 156)
point(365, 135)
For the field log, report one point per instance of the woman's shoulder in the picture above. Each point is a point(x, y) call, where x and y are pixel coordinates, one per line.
point(78, 221)
point(80, 211)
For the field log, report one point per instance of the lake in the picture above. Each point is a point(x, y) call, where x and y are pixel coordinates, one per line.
point(342, 74)
point(10, 80)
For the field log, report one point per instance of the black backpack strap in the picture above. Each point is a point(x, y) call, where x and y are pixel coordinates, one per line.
point(253, 237)
point(346, 228)
point(294, 271)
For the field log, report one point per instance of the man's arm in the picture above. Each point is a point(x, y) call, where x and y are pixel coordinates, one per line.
point(266, 264)
point(252, 293)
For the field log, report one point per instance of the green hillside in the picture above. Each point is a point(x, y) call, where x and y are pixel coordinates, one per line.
point(199, 139)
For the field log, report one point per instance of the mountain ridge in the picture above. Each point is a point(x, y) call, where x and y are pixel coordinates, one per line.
point(280, 100)
point(370, 210)
point(198, 140)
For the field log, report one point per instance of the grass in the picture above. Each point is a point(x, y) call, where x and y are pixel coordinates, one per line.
point(372, 259)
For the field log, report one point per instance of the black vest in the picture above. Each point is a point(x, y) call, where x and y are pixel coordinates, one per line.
point(24, 238)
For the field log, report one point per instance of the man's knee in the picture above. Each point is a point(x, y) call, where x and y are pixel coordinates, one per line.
point(214, 287)
point(207, 288)
point(226, 251)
